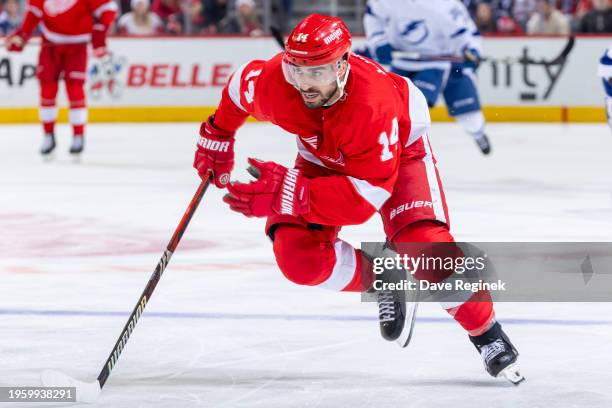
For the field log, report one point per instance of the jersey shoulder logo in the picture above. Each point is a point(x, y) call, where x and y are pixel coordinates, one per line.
point(339, 161)
point(55, 7)
point(415, 32)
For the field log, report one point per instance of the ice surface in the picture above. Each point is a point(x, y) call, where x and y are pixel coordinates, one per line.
point(225, 329)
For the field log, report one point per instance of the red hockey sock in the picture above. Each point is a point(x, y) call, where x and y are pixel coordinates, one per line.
point(78, 130)
point(48, 127)
point(475, 315)
point(48, 110)
point(78, 111)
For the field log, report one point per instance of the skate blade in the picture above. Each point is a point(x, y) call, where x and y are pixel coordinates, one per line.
point(76, 158)
point(48, 157)
point(512, 374)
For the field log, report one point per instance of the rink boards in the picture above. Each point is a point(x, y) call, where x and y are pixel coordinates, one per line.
point(180, 79)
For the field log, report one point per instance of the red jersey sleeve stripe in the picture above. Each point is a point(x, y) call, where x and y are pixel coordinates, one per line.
point(234, 87)
point(108, 6)
point(35, 10)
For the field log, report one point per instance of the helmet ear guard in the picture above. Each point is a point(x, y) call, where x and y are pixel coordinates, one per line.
point(342, 81)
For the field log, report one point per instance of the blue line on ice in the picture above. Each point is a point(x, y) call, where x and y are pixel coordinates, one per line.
point(262, 316)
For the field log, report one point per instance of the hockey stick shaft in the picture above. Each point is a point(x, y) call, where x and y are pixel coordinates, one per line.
point(418, 57)
point(278, 36)
point(415, 56)
point(155, 277)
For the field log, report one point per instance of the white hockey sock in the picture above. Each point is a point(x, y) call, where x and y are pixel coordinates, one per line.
point(473, 123)
point(48, 114)
point(77, 116)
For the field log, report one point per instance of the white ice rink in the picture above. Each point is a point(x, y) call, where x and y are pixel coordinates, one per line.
point(78, 243)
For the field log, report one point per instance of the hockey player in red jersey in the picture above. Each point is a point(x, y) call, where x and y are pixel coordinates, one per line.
point(67, 27)
point(362, 137)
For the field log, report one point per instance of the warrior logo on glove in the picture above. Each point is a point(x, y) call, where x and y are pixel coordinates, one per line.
point(215, 152)
point(277, 190)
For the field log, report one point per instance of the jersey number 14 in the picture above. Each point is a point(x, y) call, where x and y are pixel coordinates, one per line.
point(389, 141)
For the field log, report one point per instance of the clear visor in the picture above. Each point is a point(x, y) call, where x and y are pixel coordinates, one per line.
point(307, 76)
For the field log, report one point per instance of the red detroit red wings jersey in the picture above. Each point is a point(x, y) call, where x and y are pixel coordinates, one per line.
point(360, 138)
point(69, 21)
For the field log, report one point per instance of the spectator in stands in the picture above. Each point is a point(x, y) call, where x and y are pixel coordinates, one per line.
point(583, 7)
point(171, 15)
point(507, 25)
point(567, 7)
point(522, 10)
point(487, 22)
point(214, 12)
point(484, 18)
point(598, 20)
point(547, 19)
point(195, 16)
point(282, 10)
point(471, 6)
point(140, 21)
point(502, 8)
point(243, 21)
point(10, 17)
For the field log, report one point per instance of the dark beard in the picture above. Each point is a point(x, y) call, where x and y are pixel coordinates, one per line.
point(324, 99)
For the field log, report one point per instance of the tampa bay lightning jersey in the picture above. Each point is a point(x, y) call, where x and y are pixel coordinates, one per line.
point(424, 27)
point(605, 71)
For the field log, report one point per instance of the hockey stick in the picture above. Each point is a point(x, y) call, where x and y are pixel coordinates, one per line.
point(278, 36)
point(89, 391)
point(417, 57)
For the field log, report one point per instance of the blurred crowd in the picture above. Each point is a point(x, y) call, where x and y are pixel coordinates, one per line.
point(541, 16)
point(143, 17)
point(151, 17)
point(244, 17)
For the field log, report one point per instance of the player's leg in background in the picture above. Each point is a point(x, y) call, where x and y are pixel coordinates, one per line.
point(74, 77)
point(463, 103)
point(605, 72)
point(429, 81)
point(48, 72)
point(417, 212)
point(608, 89)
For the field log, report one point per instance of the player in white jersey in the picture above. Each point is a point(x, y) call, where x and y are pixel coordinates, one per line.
point(605, 72)
point(437, 45)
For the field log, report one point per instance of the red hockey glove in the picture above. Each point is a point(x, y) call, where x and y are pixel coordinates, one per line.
point(15, 42)
point(98, 40)
point(215, 152)
point(277, 190)
point(100, 53)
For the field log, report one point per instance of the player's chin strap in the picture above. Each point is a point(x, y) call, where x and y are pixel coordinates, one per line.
point(341, 84)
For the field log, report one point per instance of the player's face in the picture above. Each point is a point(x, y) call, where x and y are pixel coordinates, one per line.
point(316, 84)
point(317, 96)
